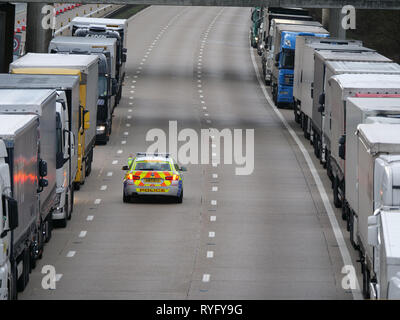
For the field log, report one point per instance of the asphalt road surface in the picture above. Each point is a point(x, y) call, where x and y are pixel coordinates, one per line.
point(267, 235)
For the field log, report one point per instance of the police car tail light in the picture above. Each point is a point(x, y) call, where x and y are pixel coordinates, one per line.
point(173, 177)
point(132, 177)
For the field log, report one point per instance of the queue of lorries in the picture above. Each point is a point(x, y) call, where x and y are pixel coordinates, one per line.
point(54, 109)
point(346, 98)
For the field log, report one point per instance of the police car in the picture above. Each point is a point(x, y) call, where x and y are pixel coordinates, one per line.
point(153, 174)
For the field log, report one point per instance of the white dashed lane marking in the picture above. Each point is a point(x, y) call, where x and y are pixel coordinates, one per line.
point(97, 201)
point(103, 188)
point(206, 277)
point(89, 218)
point(82, 234)
point(70, 254)
point(210, 254)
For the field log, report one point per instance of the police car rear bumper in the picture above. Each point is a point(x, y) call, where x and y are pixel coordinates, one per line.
point(133, 190)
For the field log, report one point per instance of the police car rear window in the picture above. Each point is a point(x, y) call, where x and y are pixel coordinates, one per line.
point(153, 166)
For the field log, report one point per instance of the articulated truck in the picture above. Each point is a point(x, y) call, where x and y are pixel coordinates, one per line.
point(86, 67)
point(68, 127)
point(105, 49)
point(43, 104)
point(319, 87)
point(338, 89)
point(378, 185)
point(284, 56)
point(303, 82)
point(19, 183)
point(106, 28)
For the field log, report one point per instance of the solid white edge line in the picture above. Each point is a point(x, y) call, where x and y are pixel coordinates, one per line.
point(321, 189)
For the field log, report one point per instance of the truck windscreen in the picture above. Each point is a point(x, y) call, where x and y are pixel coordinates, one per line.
point(102, 85)
point(287, 61)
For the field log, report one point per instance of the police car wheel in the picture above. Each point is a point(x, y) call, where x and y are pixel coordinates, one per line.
point(180, 198)
point(125, 198)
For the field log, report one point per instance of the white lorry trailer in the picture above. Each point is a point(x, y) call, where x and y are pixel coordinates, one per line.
point(19, 173)
point(43, 104)
point(105, 49)
point(86, 67)
point(106, 28)
point(67, 109)
point(318, 113)
point(378, 150)
point(303, 81)
point(358, 111)
point(384, 237)
point(338, 89)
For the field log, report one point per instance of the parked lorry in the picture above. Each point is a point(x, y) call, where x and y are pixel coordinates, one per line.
point(318, 114)
point(384, 238)
point(339, 88)
point(378, 167)
point(267, 57)
point(284, 55)
point(303, 82)
point(86, 66)
point(67, 127)
point(105, 49)
point(19, 173)
point(106, 28)
point(256, 19)
point(384, 109)
point(43, 104)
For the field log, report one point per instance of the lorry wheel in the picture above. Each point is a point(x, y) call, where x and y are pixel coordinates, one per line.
point(296, 116)
point(24, 278)
point(12, 283)
point(336, 201)
point(49, 229)
point(350, 222)
point(344, 211)
point(71, 203)
point(366, 281)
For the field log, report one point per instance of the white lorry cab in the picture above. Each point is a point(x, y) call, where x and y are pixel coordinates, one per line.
point(384, 238)
point(19, 183)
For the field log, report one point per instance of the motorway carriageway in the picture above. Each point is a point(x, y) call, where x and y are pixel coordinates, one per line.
point(267, 235)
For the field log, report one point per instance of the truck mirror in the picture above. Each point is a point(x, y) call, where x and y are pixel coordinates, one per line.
point(277, 57)
point(321, 109)
point(124, 50)
point(59, 159)
point(42, 168)
point(86, 119)
point(373, 231)
point(312, 93)
point(125, 168)
point(12, 205)
point(123, 57)
point(321, 99)
point(43, 183)
point(394, 287)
